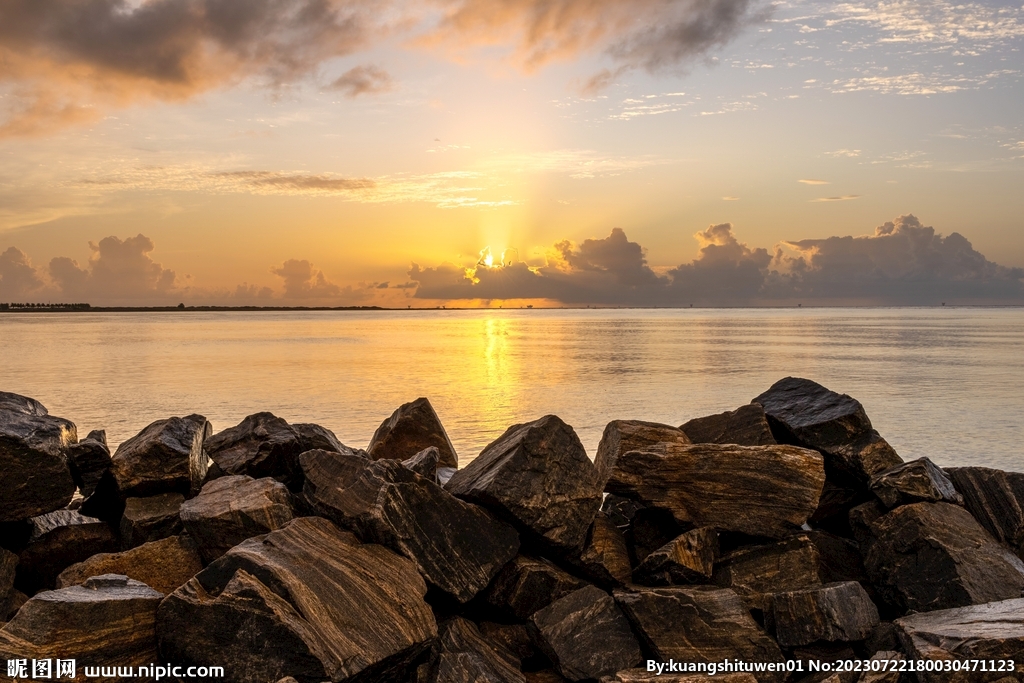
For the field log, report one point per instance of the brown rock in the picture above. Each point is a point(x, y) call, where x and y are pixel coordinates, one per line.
point(886, 671)
point(325, 607)
point(88, 460)
point(527, 584)
point(644, 676)
point(756, 490)
point(410, 429)
point(586, 635)
point(604, 557)
point(162, 565)
point(650, 529)
point(620, 510)
point(60, 539)
point(745, 426)
point(424, 463)
point(150, 519)
point(8, 565)
point(622, 436)
point(688, 558)
point(839, 611)
point(15, 599)
point(914, 482)
point(165, 457)
point(538, 476)
point(231, 509)
point(463, 655)
point(996, 499)
point(839, 559)
point(544, 676)
point(861, 518)
point(513, 637)
point(755, 571)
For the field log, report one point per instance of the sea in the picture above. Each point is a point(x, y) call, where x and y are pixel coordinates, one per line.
point(946, 383)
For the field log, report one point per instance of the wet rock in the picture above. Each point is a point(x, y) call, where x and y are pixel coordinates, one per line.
point(307, 600)
point(33, 458)
point(538, 476)
point(231, 509)
point(745, 426)
point(88, 460)
point(424, 463)
point(620, 510)
point(457, 547)
point(586, 635)
point(650, 529)
point(162, 565)
point(698, 624)
point(914, 482)
point(622, 436)
point(108, 621)
point(996, 499)
point(688, 558)
point(165, 457)
point(150, 519)
point(965, 565)
point(833, 612)
point(463, 655)
point(527, 584)
point(604, 557)
point(991, 631)
point(58, 540)
point(756, 490)
point(753, 572)
point(410, 429)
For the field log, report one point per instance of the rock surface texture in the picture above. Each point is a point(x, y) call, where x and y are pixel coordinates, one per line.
point(688, 558)
point(58, 540)
point(410, 429)
point(755, 571)
point(832, 612)
point(623, 436)
point(88, 460)
point(462, 654)
point(996, 499)
point(916, 481)
point(165, 457)
point(527, 584)
point(745, 426)
point(162, 565)
point(604, 557)
point(150, 519)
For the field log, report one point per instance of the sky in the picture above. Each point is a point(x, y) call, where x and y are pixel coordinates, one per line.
point(511, 152)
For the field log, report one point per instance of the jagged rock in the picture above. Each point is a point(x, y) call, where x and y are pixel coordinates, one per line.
point(109, 621)
point(513, 637)
point(753, 572)
point(861, 518)
point(424, 463)
point(410, 429)
point(463, 655)
point(586, 635)
point(914, 482)
point(165, 457)
point(991, 631)
point(538, 476)
point(698, 624)
point(88, 460)
point(150, 519)
point(33, 458)
point(642, 675)
point(604, 557)
point(527, 584)
point(964, 564)
point(650, 529)
point(264, 445)
point(307, 600)
point(840, 611)
point(996, 499)
point(620, 510)
point(457, 547)
point(745, 426)
point(58, 540)
point(8, 564)
point(688, 558)
point(756, 490)
point(231, 509)
point(839, 559)
point(162, 565)
point(622, 436)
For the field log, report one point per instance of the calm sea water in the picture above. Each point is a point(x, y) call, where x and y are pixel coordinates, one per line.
point(943, 383)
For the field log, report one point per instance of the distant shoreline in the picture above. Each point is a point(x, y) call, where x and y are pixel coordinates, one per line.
point(276, 309)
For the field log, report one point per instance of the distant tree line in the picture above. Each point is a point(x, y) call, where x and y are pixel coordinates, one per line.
point(62, 307)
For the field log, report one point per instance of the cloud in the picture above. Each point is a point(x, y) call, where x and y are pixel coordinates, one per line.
point(363, 80)
point(18, 277)
point(843, 198)
point(120, 271)
point(808, 181)
point(298, 183)
point(303, 281)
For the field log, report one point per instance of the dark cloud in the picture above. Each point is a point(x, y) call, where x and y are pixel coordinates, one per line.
point(246, 294)
point(18, 277)
point(303, 281)
point(724, 272)
point(118, 271)
point(363, 80)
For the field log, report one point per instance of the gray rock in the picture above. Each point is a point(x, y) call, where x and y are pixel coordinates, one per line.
point(688, 558)
point(88, 460)
point(150, 519)
point(996, 499)
point(60, 539)
point(839, 611)
point(622, 436)
point(914, 482)
point(745, 426)
point(165, 457)
point(463, 655)
point(755, 571)
point(410, 429)
point(528, 584)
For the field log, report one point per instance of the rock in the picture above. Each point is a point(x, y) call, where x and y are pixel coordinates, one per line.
point(840, 611)
point(688, 558)
point(996, 499)
point(585, 635)
point(527, 584)
point(513, 637)
point(463, 655)
point(88, 460)
point(861, 518)
point(650, 529)
point(33, 458)
point(991, 631)
point(965, 565)
point(604, 557)
point(622, 436)
point(883, 637)
point(410, 429)
point(698, 624)
point(424, 463)
point(165, 457)
point(914, 482)
point(839, 559)
point(620, 510)
point(457, 547)
point(231, 509)
point(307, 600)
point(264, 445)
point(8, 564)
point(544, 676)
point(538, 476)
point(756, 490)
point(645, 676)
point(745, 426)
point(162, 565)
point(754, 572)
point(886, 671)
point(150, 519)
point(15, 599)
point(108, 621)
point(60, 539)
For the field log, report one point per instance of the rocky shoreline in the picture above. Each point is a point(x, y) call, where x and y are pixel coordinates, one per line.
point(787, 530)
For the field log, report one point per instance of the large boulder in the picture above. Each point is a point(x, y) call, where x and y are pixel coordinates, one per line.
point(755, 571)
point(150, 519)
point(33, 458)
point(162, 565)
point(687, 558)
point(757, 490)
point(978, 639)
point(585, 635)
point(622, 436)
point(527, 584)
point(307, 600)
point(165, 457)
point(462, 655)
point(457, 547)
point(604, 556)
point(58, 540)
point(930, 556)
point(914, 482)
point(832, 612)
point(410, 429)
point(89, 459)
point(996, 499)
point(745, 426)
point(538, 476)
point(231, 509)
point(107, 621)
